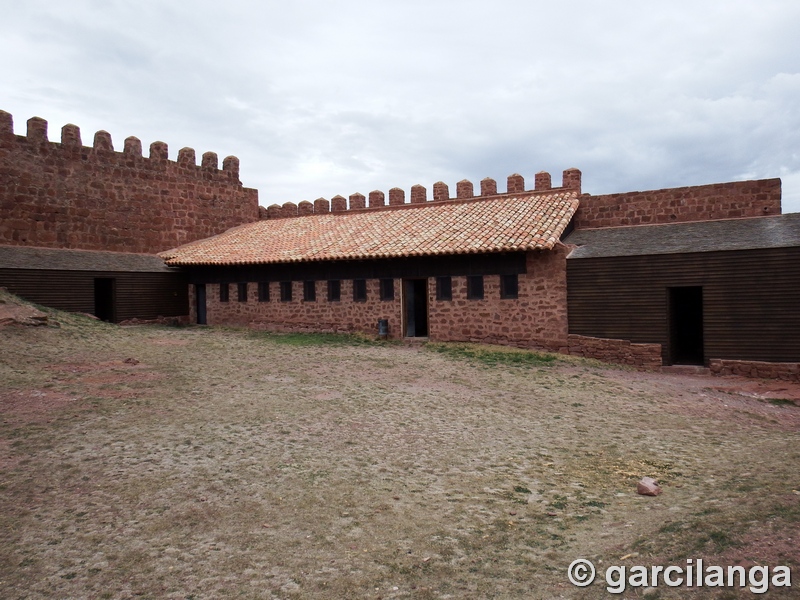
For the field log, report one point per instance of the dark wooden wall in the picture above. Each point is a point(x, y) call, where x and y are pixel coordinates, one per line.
point(139, 295)
point(751, 300)
point(505, 263)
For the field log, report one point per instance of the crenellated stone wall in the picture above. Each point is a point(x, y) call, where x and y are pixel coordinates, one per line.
point(67, 195)
point(571, 180)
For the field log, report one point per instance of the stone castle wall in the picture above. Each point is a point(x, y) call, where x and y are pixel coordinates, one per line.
point(67, 195)
point(732, 200)
point(515, 184)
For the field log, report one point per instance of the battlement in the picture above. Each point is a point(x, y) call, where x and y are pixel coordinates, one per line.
point(67, 195)
point(71, 146)
point(515, 185)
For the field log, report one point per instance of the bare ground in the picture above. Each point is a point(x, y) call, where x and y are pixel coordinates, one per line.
point(207, 463)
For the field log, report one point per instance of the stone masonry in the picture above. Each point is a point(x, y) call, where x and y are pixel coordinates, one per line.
point(643, 356)
point(342, 316)
point(67, 195)
point(678, 205)
point(536, 319)
point(515, 184)
point(754, 368)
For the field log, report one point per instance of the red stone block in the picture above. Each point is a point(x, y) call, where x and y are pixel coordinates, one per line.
point(516, 184)
point(357, 201)
point(376, 198)
point(338, 204)
point(396, 196)
point(488, 187)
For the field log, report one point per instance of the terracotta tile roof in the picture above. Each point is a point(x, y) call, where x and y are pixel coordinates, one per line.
point(526, 222)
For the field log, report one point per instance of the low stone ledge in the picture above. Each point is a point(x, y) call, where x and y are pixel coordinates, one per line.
point(305, 327)
point(757, 369)
point(642, 356)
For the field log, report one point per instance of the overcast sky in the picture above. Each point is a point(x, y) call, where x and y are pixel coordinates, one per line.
point(319, 98)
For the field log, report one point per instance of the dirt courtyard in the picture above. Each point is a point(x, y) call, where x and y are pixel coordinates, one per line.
point(197, 463)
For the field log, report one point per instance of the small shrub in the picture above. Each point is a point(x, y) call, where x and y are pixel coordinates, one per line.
point(782, 402)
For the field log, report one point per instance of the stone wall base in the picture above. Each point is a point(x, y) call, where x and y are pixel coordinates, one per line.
point(754, 368)
point(643, 356)
point(301, 327)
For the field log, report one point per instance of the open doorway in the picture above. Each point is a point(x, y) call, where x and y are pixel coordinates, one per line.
point(415, 307)
point(200, 297)
point(104, 298)
point(686, 326)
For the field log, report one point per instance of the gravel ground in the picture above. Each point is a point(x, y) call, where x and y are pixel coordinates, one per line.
point(151, 462)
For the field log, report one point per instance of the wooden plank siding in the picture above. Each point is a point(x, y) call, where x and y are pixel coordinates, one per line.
point(751, 300)
point(504, 263)
point(139, 295)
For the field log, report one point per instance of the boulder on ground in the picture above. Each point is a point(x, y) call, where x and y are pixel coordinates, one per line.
point(648, 486)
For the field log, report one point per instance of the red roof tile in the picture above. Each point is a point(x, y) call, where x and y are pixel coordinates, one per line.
point(526, 222)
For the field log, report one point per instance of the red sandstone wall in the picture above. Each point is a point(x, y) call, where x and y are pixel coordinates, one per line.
point(754, 368)
point(66, 195)
point(571, 180)
point(675, 205)
point(298, 315)
point(646, 356)
point(536, 319)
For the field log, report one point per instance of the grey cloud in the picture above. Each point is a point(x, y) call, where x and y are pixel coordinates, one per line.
point(320, 98)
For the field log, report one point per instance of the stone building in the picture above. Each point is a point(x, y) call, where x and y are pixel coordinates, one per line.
point(488, 268)
point(701, 275)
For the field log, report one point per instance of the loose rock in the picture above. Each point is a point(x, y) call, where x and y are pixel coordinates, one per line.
point(647, 486)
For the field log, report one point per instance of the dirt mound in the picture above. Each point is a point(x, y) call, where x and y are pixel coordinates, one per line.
point(15, 311)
